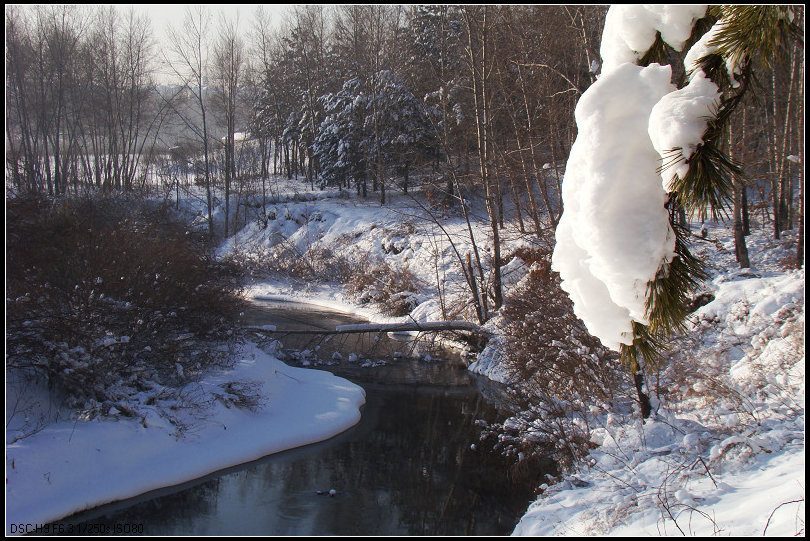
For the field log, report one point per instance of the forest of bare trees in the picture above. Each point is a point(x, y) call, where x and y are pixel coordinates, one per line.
point(467, 101)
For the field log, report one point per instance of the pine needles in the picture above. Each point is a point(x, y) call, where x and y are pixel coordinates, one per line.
point(747, 33)
point(669, 301)
point(761, 32)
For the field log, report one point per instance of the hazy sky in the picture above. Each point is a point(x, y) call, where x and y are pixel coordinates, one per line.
point(164, 16)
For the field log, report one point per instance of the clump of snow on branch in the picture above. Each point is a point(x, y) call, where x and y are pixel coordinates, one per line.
point(630, 30)
point(705, 46)
point(614, 233)
point(678, 122)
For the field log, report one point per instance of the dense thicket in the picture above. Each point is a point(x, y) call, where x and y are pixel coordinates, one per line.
point(108, 298)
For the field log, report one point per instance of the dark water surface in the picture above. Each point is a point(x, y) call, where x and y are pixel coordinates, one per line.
point(408, 468)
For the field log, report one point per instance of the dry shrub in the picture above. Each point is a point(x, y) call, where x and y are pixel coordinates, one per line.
point(561, 372)
point(375, 280)
point(530, 256)
point(322, 264)
point(548, 346)
point(107, 297)
point(316, 264)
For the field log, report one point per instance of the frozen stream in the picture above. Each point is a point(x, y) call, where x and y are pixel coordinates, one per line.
point(407, 468)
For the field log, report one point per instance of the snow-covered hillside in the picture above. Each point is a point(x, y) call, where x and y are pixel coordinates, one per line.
point(724, 450)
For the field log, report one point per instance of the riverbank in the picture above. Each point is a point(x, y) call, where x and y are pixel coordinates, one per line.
point(723, 452)
point(71, 466)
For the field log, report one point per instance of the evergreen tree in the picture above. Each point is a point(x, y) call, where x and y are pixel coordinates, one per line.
point(405, 134)
point(697, 176)
point(341, 137)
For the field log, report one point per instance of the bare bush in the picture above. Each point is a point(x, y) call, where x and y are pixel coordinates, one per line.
point(107, 298)
point(561, 370)
point(548, 346)
point(368, 278)
point(375, 280)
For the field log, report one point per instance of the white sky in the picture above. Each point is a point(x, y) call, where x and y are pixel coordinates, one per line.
point(164, 16)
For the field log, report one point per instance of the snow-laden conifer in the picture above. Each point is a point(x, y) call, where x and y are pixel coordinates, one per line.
point(645, 146)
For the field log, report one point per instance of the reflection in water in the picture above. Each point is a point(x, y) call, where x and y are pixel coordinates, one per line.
point(361, 358)
point(406, 469)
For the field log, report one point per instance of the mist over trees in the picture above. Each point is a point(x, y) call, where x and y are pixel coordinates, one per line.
point(78, 103)
point(471, 103)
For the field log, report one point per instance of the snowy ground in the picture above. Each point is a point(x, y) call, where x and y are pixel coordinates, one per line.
point(71, 466)
point(723, 453)
point(403, 234)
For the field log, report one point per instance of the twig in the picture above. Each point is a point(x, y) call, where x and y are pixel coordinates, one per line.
point(289, 376)
point(777, 508)
point(700, 458)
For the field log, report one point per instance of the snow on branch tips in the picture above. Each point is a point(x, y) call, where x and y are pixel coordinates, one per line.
point(678, 123)
point(630, 30)
point(614, 241)
point(614, 233)
point(644, 145)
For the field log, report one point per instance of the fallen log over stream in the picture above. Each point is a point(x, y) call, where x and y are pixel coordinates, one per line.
point(409, 326)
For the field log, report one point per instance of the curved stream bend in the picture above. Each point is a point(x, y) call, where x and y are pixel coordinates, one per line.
point(408, 468)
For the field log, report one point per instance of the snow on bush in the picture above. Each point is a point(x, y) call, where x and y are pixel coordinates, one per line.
point(107, 299)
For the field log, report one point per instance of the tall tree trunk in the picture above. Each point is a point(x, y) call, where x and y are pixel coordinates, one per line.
point(515, 194)
point(777, 226)
point(208, 198)
point(744, 155)
point(785, 184)
point(482, 120)
point(800, 217)
point(263, 174)
point(740, 248)
point(536, 165)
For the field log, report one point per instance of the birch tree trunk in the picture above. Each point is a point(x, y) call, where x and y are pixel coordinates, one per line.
point(800, 217)
point(480, 74)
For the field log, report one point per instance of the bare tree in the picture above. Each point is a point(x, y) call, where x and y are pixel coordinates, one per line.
point(41, 45)
point(738, 185)
point(800, 143)
point(190, 61)
point(480, 60)
point(227, 72)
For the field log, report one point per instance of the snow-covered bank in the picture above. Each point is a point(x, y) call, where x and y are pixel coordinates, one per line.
point(321, 233)
point(725, 448)
point(71, 466)
point(724, 452)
